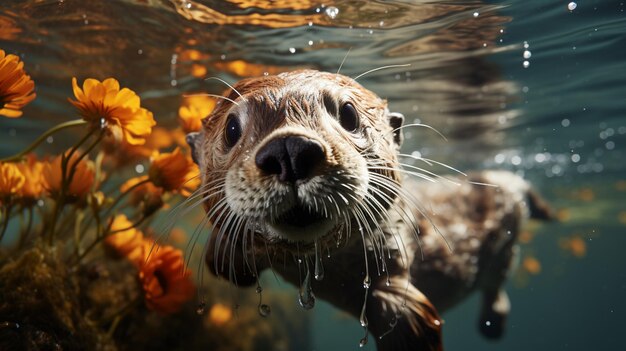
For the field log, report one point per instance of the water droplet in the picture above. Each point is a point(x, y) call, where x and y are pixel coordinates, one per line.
point(572, 6)
point(50, 139)
point(527, 54)
point(139, 168)
point(332, 12)
point(310, 42)
point(259, 289)
point(292, 50)
point(363, 321)
point(363, 341)
point(319, 265)
point(388, 282)
point(306, 298)
point(201, 308)
point(366, 282)
point(264, 310)
point(526, 64)
point(476, 14)
point(488, 323)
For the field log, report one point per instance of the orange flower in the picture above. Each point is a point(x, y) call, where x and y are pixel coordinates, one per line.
point(33, 184)
point(193, 110)
point(146, 195)
point(16, 87)
point(166, 287)
point(122, 154)
point(119, 110)
point(174, 172)
point(531, 265)
point(126, 240)
point(11, 180)
point(82, 181)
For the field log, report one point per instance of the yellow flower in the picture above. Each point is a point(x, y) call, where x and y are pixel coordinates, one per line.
point(119, 110)
point(174, 171)
point(165, 284)
point(193, 110)
point(124, 239)
point(16, 87)
point(11, 180)
point(33, 184)
point(82, 181)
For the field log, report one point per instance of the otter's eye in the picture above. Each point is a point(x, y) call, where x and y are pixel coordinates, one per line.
point(348, 117)
point(233, 130)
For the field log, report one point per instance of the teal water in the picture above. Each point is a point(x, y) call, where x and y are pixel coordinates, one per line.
point(560, 121)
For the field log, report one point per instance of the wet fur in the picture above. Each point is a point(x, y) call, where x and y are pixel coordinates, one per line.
point(429, 244)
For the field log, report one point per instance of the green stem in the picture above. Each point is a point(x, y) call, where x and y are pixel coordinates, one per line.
point(42, 138)
point(29, 226)
point(5, 220)
point(66, 179)
point(121, 196)
point(99, 238)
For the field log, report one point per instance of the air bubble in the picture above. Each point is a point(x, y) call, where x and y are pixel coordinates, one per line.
point(526, 64)
point(572, 6)
point(332, 12)
point(264, 310)
point(527, 54)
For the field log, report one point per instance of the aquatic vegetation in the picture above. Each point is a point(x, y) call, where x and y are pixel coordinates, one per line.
point(16, 87)
point(78, 229)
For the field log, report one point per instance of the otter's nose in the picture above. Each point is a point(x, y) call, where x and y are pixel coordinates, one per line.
point(291, 158)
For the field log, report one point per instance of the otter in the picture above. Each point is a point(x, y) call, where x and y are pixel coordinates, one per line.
point(301, 173)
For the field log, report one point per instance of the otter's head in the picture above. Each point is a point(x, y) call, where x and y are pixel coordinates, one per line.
point(298, 157)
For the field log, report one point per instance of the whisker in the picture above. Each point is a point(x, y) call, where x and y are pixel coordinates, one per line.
point(379, 68)
point(213, 95)
point(344, 59)
point(429, 161)
point(225, 82)
point(423, 126)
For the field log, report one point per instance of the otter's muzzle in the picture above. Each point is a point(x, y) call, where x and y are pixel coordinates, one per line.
point(291, 157)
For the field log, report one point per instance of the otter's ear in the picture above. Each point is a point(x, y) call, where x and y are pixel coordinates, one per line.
point(192, 140)
point(395, 121)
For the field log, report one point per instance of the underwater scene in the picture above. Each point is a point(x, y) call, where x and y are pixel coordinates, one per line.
point(120, 119)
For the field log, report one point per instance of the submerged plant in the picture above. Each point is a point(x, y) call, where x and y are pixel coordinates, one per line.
point(71, 214)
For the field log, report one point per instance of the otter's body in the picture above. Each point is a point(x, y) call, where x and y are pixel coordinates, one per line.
point(301, 174)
